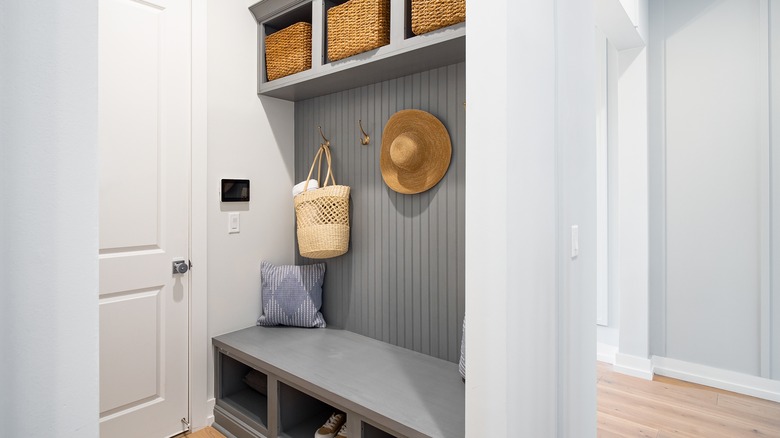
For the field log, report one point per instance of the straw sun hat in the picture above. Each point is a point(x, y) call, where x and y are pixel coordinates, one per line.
point(416, 151)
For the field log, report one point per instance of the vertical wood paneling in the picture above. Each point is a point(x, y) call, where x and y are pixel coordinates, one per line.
point(402, 280)
point(441, 227)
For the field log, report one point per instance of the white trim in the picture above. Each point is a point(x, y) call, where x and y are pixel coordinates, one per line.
point(774, 190)
point(602, 181)
point(210, 403)
point(617, 25)
point(200, 410)
point(765, 196)
point(633, 366)
point(718, 378)
point(606, 353)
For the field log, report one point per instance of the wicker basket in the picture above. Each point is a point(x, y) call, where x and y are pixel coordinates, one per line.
point(322, 216)
point(357, 26)
point(428, 15)
point(288, 51)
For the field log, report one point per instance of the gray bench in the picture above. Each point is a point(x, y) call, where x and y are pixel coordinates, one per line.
point(385, 390)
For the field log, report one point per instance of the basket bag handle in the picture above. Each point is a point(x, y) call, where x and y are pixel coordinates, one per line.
point(318, 162)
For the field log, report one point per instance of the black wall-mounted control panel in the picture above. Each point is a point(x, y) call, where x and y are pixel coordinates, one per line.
point(235, 190)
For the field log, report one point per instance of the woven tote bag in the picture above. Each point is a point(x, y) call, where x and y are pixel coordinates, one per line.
point(322, 215)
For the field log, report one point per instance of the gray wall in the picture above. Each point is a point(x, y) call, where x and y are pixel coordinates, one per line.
point(711, 183)
point(402, 280)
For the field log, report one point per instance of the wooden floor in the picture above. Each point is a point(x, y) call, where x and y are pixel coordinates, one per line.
point(663, 408)
point(208, 432)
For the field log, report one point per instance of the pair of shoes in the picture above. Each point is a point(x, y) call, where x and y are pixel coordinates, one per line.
point(335, 427)
point(342, 432)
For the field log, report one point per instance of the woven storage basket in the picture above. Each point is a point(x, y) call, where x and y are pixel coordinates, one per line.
point(288, 51)
point(322, 216)
point(428, 15)
point(357, 26)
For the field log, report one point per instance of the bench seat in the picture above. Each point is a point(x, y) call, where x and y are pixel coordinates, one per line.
point(403, 392)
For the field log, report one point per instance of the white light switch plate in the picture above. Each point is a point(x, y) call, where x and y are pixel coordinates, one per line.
point(234, 223)
point(575, 241)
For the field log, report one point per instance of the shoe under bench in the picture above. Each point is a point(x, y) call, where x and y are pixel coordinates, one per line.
point(385, 390)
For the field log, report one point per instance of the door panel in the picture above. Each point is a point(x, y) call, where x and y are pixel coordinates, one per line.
point(144, 135)
point(129, 349)
point(130, 122)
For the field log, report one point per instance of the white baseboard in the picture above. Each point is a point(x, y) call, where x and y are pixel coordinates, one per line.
point(606, 353)
point(718, 378)
point(210, 411)
point(633, 366)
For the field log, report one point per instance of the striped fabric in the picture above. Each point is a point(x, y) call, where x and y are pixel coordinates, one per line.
point(292, 295)
point(462, 363)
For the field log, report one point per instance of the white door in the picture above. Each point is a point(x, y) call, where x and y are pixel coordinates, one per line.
point(144, 135)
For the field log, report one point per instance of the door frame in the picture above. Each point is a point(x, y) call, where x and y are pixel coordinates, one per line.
point(199, 409)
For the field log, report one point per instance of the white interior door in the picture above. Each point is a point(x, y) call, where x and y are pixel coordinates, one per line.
point(144, 135)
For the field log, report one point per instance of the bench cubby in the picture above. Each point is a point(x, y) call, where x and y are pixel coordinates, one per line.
point(299, 413)
point(369, 431)
point(235, 398)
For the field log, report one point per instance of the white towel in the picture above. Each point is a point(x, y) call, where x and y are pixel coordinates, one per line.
point(313, 184)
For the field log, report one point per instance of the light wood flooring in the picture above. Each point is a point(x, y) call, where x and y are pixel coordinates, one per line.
point(208, 432)
point(664, 408)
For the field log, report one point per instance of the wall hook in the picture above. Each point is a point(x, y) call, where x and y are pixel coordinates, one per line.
point(327, 142)
point(365, 139)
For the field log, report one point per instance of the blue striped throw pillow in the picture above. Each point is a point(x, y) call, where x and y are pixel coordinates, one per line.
point(292, 295)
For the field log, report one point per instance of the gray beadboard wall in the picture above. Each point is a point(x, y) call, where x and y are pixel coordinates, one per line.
point(402, 280)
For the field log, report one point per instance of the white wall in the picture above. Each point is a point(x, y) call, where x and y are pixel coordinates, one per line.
point(774, 120)
point(633, 211)
point(714, 168)
point(49, 219)
point(607, 335)
point(625, 25)
point(637, 12)
point(713, 125)
point(610, 334)
point(622, 21)
point(576, 173)
point(656, 179)
point(531, 309)
point(248, 138)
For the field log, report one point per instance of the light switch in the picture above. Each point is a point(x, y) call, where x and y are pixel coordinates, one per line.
point(234, 222)
point(575, 241)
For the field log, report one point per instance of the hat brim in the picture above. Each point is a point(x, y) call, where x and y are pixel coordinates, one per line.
point(438, 152)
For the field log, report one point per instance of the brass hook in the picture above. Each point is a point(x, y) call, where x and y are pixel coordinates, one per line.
point(327, 142)
point(365, 139)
